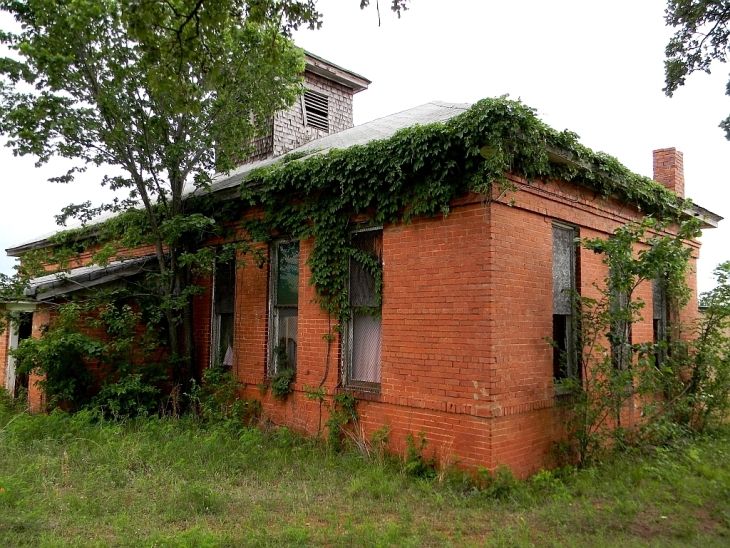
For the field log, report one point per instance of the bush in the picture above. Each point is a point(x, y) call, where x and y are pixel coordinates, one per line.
point(696, 377)
point(130, 396)
point(217, 399)
point(59, 356)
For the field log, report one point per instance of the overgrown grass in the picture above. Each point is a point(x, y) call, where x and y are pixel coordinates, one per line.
point(67, 480)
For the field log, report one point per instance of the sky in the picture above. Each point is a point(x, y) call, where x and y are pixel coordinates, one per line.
point(595, 68)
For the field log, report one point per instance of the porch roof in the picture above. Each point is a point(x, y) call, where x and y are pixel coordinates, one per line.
point(61, 283)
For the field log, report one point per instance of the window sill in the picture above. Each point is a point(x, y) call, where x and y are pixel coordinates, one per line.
point(369, 393)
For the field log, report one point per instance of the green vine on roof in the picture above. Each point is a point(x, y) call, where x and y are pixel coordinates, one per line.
point(419, 171)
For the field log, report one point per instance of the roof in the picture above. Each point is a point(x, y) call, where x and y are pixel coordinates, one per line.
point(61, 283)
point(336, 73)
point(380, 128)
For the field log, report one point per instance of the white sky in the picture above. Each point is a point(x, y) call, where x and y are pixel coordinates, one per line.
point(595, 68)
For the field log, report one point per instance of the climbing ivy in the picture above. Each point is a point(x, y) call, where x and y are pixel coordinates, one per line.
point(419, 171)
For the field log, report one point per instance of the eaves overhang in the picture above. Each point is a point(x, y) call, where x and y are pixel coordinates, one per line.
point(322, 67)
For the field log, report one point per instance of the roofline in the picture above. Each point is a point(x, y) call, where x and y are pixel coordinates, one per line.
point(708, 218)
point(42, 242)
point(322, 67)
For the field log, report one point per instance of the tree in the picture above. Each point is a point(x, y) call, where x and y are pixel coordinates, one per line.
point(703, 31)
point(162, 92)
point(165, 92)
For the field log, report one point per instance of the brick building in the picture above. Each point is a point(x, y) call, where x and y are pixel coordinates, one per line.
point(457, 350)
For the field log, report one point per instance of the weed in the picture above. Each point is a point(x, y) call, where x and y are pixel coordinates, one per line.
point(416, 463)
point(282, 383)
point(342, 412)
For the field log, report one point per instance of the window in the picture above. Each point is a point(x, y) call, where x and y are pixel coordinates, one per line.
point(620, 335)
point(565, 276)
point(284, 299)
point(316, 110)
point(660, 319)
point(224, 292)
point(363, 336)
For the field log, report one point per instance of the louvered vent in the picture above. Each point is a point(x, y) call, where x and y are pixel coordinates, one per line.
point(316, 110)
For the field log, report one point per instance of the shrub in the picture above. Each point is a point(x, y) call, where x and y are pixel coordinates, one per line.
point(216, 399)
point(130, 396)
point(59, 356)
point(696, 376)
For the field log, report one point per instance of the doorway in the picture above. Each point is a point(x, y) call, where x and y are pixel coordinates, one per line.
point(22, 329)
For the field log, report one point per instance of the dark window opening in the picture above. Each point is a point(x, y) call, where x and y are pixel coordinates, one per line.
point(284, 297)
point(224, 296)
point(620, 335)
point(316, 110)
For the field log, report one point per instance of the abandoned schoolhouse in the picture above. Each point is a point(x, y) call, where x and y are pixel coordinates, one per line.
point(454, 344)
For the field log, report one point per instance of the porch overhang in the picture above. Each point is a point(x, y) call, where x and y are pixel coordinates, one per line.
point(47, 287)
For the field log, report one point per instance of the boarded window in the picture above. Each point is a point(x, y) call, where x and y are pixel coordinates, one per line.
point(362, 350)
point(316, 110)
point(284, 297)
point(224, 296)
point(565, 267)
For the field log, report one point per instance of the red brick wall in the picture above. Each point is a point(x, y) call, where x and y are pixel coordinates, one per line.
point(467, 306)
point(42, 317)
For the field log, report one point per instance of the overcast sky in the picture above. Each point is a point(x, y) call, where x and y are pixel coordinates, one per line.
point(595, 68)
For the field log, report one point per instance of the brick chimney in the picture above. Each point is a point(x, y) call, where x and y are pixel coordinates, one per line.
point(669, 169)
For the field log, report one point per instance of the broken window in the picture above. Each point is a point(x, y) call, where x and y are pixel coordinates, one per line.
point(316, 110)
point(363, 337)
point(565, 269)
point(284, 299)
point(660, 319)
point(224, 296)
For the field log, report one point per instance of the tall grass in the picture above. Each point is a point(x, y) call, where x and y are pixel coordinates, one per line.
point(73, 480)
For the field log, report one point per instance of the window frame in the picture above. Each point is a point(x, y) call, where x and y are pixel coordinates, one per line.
point(571, 352)
point(272, 367)
point(661, 319)
point(349, 329)
point(215, 316)
point(14, 381)
point(622, 352)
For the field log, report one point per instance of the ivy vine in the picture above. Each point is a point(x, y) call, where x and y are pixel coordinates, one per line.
point(417, 172)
